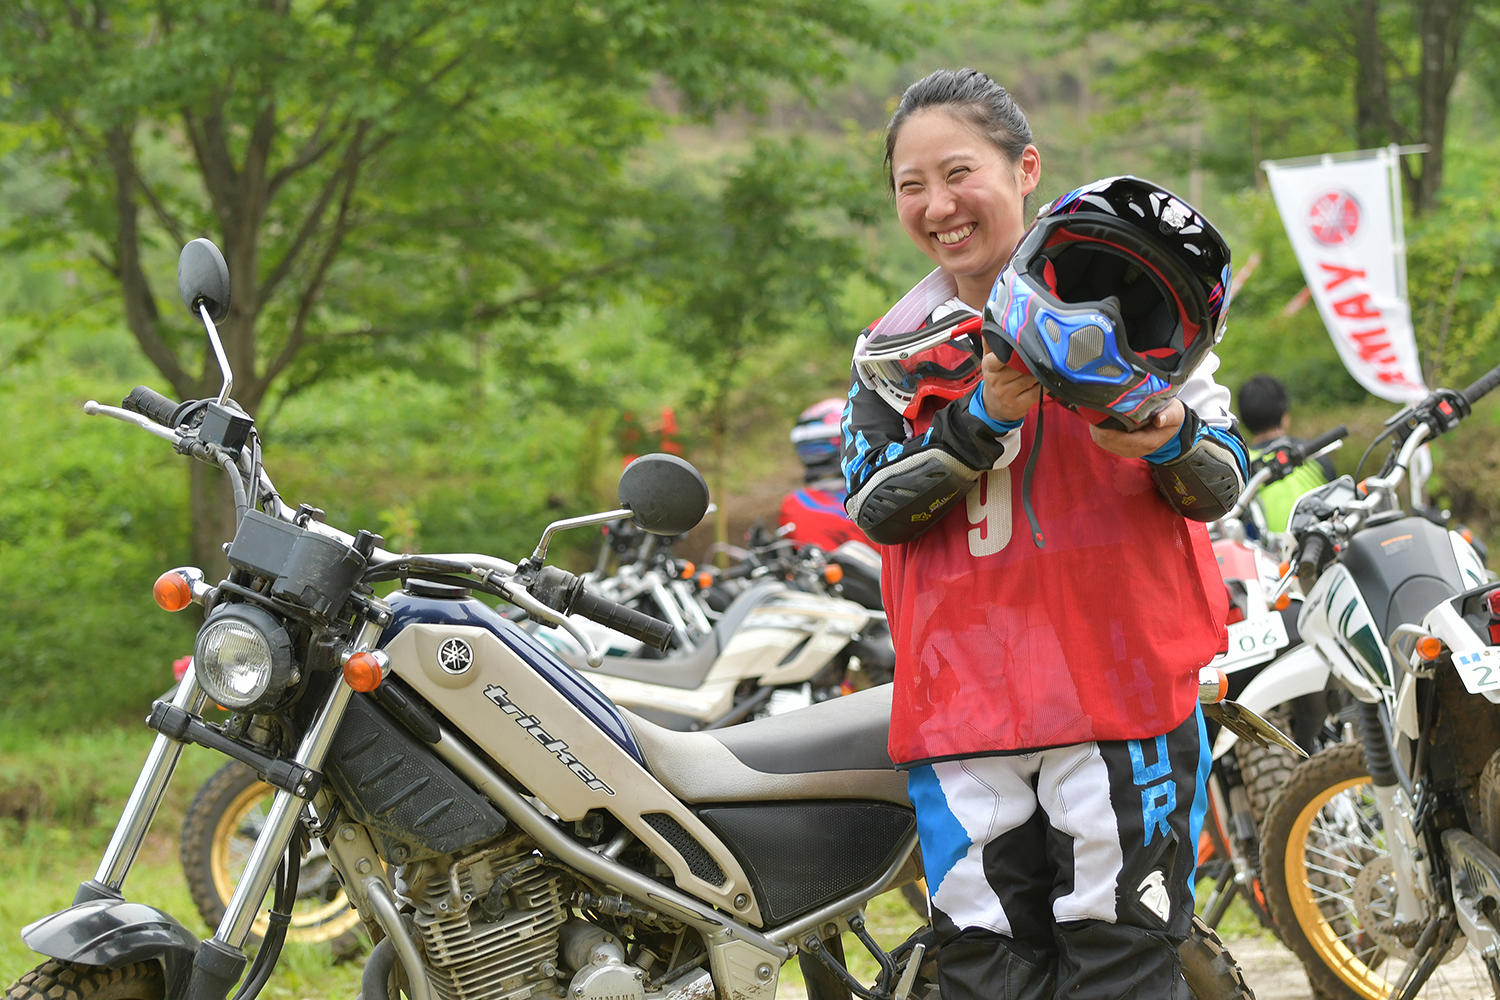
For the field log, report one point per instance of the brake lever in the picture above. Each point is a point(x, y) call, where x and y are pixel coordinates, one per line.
point(521, 598)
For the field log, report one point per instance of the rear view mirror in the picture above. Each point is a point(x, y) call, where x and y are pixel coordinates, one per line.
point(664, 494)
point(203, 279)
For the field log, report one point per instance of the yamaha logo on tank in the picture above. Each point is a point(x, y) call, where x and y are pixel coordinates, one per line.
point(455, 656)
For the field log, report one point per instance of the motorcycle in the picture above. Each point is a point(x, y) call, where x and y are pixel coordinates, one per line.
point(500, 826)
point(778, 637)
point(1380, 869)
point(226, 814)
point(1270, 672)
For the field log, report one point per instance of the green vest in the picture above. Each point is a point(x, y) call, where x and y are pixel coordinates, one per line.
point(1277, 499)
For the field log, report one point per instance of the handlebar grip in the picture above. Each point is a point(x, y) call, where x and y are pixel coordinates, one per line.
point(737, 571)
point(611, 614)
point(1325, 439)
point(1482, 385)
point(1310, 559)
point(150, 404)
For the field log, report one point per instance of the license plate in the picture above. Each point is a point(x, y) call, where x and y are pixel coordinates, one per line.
point(1252, 641)
point(1480, 669)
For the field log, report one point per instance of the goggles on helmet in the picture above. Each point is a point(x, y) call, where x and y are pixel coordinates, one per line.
point(940, 361)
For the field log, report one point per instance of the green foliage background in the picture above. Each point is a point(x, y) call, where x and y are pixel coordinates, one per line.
point(459, 435)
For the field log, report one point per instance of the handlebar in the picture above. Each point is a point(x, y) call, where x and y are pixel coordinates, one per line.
point(1481, 386)
point(1278, 463)
point(1323, 440)
point(1440, 411)
point(1313, 553)
point(563, 591)
point(151, 404)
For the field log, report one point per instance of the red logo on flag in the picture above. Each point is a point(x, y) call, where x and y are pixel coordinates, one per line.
point(1334, 218)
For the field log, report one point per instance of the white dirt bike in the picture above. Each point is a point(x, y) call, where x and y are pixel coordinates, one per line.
point(1272, 673)
point(1379, 855)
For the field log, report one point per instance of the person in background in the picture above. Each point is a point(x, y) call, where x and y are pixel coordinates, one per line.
point(815, 512)
point(1265, 412)
point(1049, 624)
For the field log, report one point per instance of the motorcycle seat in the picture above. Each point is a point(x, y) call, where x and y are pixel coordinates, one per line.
point(835, 749)
point(687, 669)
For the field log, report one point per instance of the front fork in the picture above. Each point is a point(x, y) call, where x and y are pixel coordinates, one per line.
point(1411, 856)
point(220, 960)
point(146, 797)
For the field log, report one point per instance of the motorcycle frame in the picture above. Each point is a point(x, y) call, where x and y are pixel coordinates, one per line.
point(744, 961)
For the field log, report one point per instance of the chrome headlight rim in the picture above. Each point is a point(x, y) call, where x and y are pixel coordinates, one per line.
point(260, 635)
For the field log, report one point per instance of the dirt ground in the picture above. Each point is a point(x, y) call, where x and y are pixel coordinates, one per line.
point(1271, 971)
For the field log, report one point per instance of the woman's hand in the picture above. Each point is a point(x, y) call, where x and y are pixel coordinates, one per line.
point(1008, 394)
point(1143, 441)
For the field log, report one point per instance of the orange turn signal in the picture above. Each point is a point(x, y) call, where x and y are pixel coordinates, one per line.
point(705, 580)
point(362, 672)
point(833, 573)
point(1213, 685)
point(688, 569)
point(172, 591)
point(1283, 602)
point(1429, 647)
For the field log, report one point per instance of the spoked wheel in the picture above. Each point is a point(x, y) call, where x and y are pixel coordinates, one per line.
point(54, 980)
point(1330, 885)
point(218, 834)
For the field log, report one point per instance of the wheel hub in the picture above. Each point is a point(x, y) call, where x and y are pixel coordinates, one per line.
point(1375, 900)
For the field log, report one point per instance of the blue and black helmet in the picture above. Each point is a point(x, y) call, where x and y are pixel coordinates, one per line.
point(1113, 296)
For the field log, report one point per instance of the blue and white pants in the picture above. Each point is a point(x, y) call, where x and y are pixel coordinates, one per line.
point(1078, 859)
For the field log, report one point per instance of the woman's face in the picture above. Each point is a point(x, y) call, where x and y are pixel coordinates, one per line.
point(960, 198)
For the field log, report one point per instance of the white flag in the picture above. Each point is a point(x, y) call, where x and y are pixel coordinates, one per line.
point(1343, 218)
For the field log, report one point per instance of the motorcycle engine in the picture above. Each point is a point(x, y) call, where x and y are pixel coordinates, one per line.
point(496, 925)
point(490, 923)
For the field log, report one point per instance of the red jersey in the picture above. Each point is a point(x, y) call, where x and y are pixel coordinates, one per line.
point(1003, 646)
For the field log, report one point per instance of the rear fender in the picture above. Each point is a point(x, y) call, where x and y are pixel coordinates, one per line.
point(113, 932)
point(1300, 671)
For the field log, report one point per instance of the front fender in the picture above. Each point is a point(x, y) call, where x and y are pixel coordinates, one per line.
point(113, 933)
point(1299, 671)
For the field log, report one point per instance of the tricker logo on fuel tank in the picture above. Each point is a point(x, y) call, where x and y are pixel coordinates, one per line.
point(557, 748)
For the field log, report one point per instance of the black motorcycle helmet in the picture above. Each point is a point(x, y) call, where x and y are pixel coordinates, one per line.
point(1113, 296)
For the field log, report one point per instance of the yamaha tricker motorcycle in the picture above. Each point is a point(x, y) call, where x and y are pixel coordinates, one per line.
point(502, 829)
point(1379, 855)
point(779, 640)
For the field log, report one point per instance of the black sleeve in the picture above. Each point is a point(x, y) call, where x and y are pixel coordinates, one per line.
point(899, 485)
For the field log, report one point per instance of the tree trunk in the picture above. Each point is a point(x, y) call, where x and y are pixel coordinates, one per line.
point(1374, 124)
point(1441, 25)
point(211, 506)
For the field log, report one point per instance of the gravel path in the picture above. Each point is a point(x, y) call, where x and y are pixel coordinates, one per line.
point(1271, 971)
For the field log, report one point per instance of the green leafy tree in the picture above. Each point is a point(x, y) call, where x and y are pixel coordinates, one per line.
point(772, 249)
point(1277, 77)
point(373, 172)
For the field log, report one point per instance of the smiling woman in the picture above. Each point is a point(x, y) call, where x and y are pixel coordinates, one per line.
point(959, 192)
point(1007, 708)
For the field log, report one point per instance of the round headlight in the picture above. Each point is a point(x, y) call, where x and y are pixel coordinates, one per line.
point(243, 657)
